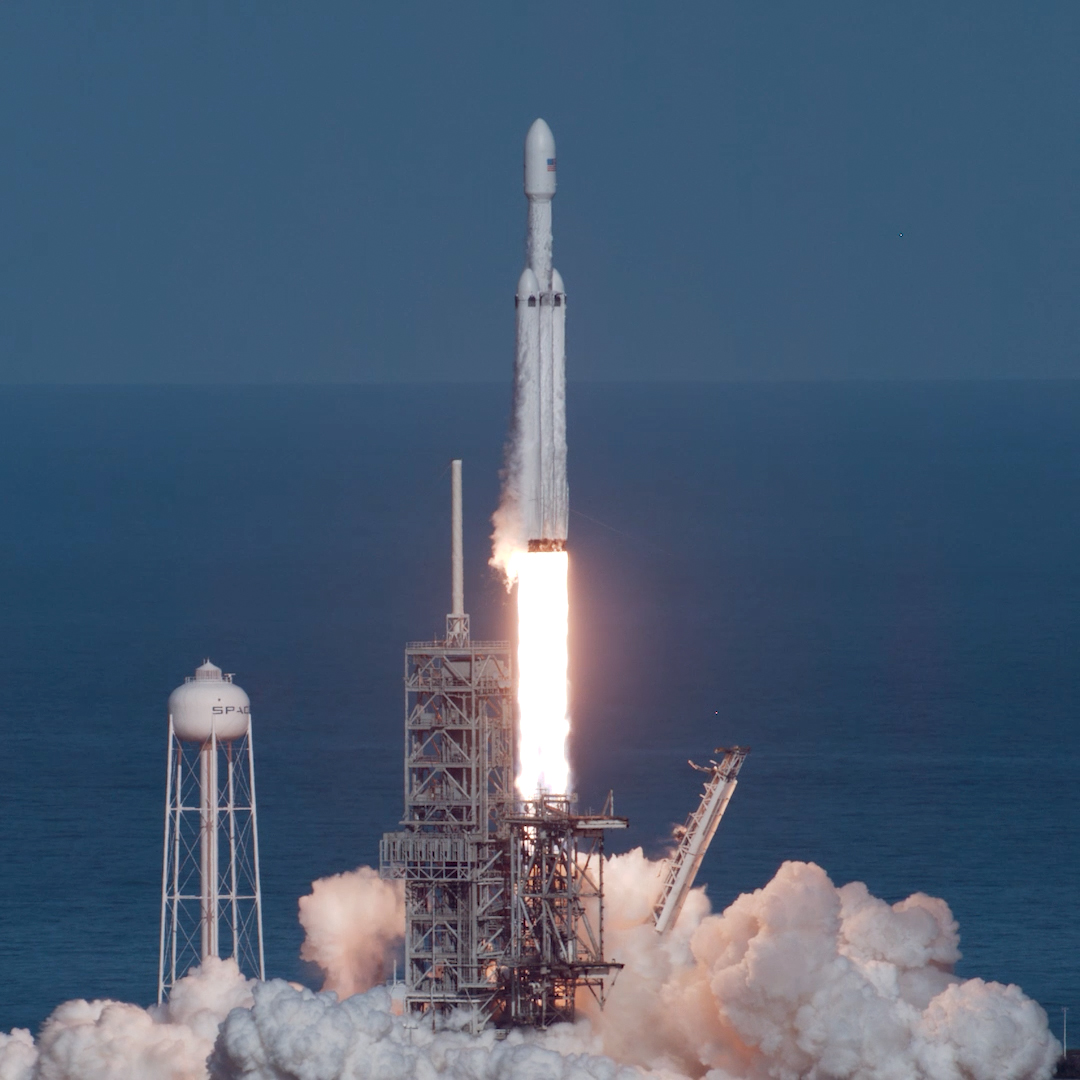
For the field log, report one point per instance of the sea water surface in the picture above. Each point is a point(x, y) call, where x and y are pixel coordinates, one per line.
point(873, 586)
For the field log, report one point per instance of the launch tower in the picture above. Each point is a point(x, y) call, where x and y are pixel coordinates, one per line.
point(503, 897)
point(459, 782)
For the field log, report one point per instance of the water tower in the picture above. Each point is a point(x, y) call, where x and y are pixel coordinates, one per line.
point(210, 899)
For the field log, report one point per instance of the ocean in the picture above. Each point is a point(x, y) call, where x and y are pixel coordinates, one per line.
point(873, 585)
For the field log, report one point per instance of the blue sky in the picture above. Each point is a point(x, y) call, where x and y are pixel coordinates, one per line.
point(332, 191)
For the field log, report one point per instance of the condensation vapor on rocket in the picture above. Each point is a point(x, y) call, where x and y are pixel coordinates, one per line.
point(531, 522)
point(535, 499)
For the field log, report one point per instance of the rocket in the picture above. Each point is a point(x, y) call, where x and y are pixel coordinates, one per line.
point(540, 362)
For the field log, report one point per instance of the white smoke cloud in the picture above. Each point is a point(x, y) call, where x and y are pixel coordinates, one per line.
point(510, 533)
point(18, 1055)
point(508, 539)
point(353, 925)
point(111, 1040)
point(295, 1034)
point(802, 979)
point(798, 979)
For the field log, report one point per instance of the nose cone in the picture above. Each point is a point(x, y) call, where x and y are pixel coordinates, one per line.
point(539, 161)
point(528, 286)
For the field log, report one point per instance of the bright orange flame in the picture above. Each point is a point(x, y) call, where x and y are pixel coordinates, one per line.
point(544, 721)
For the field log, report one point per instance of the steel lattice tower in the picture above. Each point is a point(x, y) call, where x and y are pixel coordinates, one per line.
point(503, 898)
point(211, 903)
point(459, 775)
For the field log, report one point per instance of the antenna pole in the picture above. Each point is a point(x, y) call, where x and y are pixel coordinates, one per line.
point(456, 559)
point(457, 622)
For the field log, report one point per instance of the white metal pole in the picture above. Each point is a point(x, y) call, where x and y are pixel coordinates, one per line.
point(178, 800)
point(165, 865)
point(255, 849)
point(208, 848)
point(232, 853)
point(456, 558)
point(204, 851)
point(214, 861)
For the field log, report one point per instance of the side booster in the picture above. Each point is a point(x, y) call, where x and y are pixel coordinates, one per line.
point(540, 361)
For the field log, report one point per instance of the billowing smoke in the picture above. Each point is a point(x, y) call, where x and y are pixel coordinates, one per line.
point(18, 1055)
point(353, 925)
point(797, 979)
point(802, 978)
point(297, 1035)
point(110, 1040)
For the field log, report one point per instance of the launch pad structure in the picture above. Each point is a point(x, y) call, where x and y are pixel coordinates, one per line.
point(503, 896)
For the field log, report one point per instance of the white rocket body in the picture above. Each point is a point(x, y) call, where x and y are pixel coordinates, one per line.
point(540, 361)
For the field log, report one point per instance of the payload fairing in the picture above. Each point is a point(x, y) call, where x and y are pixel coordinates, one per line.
point(540, 362)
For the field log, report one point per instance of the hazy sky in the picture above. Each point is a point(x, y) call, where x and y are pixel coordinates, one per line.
point(264, 192)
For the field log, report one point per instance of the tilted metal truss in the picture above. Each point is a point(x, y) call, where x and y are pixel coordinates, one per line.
point(697, 834)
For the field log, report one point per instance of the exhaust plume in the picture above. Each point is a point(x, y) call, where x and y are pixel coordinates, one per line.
point(542, 662)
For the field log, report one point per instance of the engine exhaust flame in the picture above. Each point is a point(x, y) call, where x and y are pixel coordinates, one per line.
point(543, 716)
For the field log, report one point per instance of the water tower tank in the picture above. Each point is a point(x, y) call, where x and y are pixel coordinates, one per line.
point(209, 703)
point(211, 900)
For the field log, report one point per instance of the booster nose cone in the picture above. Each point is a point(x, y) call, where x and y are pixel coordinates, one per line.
point(539, 161)
point(528, 287)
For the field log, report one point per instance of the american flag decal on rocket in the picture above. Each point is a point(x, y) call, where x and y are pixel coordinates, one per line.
point(551, 164)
